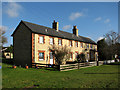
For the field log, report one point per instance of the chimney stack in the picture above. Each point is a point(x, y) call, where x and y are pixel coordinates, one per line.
point(55, 25)
point(75, 30)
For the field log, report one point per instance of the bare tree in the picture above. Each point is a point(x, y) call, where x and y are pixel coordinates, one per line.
point(61, 53)
point(112, 37)
point(3, 39)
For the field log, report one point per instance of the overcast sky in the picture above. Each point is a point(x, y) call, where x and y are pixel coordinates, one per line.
point(93, 19)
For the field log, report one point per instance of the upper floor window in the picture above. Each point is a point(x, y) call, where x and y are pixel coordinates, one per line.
point(70, 43)
point(60, 42)
point(91, 46)
point(87, 45)
point(81, 45)
point(94, 46)
point(51, 40)
point(76, 54)
point(76, 44)
point(41, 39)
point(87, 56)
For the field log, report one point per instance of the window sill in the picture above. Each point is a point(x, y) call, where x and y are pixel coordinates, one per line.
point(41, 43)
point(41, 59)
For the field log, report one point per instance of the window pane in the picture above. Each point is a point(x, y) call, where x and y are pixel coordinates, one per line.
point(51, 56)
point(51, 40)
point(41, 56)
point(41, 39)
point(91, 46)
point(76, 44)
point(81, 45)
point(76, 55)
point(87, 56)
point(87, 45)
point(60, 41)
point(70, 43)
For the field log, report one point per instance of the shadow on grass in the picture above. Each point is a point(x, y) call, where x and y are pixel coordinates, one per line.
point(116, 63)
point(49, 69)
point(8, 61)
point(34, 86)
point(103, 73)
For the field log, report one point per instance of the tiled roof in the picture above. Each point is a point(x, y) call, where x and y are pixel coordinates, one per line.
point(52, 32)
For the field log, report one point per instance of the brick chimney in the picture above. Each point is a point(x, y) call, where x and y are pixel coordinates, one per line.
point(75, 30)
point(55, 25)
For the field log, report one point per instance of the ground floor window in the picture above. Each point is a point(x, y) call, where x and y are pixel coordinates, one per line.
point(96, 56)
point(71, 56)
point(51, 55)
point(41, 55)
point(87, 56)
point(76, 54)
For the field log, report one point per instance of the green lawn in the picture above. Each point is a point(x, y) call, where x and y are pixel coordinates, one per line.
point(105, 76)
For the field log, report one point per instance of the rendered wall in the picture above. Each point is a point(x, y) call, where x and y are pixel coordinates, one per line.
point(46, 45)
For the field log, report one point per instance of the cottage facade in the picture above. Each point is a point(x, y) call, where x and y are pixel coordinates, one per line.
point(31, 43)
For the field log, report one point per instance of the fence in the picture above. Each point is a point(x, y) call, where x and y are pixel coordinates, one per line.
point(101, 62)
point(76, 66)
point(46, 66)
point(66, 67)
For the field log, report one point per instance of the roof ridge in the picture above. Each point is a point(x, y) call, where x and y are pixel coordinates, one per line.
point(36, 24)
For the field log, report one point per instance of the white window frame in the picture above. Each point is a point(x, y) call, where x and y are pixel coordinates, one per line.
point(70, 43)
point(51, 41)
point(91, 46)
point(41, 41)
point(81, 45)
point(60, 43)
point(43, 56)
point(87, 45)
point(76, 44)
point(71, 55)
point(76, 55)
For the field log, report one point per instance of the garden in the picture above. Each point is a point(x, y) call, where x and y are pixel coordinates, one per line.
point(104, 76)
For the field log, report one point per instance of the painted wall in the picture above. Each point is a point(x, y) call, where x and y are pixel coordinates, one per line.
point(22, 46)
point(46, 45)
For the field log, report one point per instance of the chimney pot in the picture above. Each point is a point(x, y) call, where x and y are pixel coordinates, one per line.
point(75, 30)
point(55, 25)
